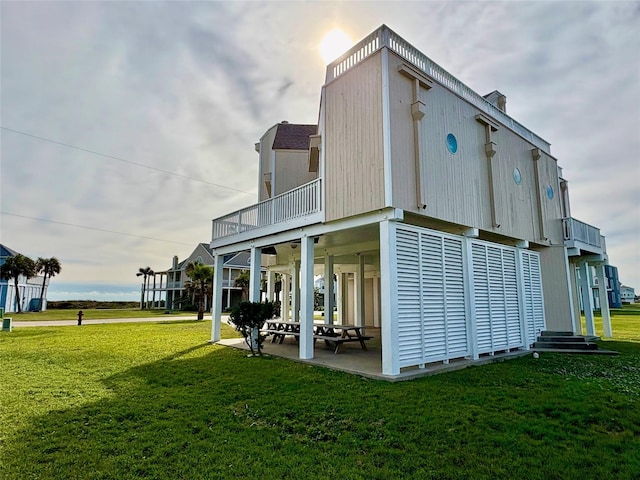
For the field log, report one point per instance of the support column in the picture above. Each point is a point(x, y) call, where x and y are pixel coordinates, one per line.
point(306, 311)
point(389, 297)
point(376, 301)
point(328, 288)
point(587, 301)
point(358, 287)
point(216, 310)
point(271, 283)
point(254, 276)
point(295, 291)
point(604, 301)
point(284, 304)
point(340, 298)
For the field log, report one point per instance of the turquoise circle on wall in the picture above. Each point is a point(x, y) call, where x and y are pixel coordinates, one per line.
point(550, 192)
point(452, 143)
point(517, 177)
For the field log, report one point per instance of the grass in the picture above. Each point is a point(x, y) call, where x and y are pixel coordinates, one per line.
point(156, 400)
point(93, 314)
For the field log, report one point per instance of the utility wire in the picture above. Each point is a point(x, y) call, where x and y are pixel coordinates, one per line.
point(124, 160)
point(94, 228)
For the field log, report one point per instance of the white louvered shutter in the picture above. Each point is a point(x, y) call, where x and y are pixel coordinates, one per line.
point(409, 298)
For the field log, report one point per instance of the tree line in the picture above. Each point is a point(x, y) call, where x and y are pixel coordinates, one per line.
point(21, 265)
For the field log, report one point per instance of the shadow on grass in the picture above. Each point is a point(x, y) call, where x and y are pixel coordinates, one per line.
point(211, 412)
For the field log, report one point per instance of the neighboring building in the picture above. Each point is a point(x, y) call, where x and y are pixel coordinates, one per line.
point(29, 289)
point(167, 288)
point(446, 222)
point(627, 294)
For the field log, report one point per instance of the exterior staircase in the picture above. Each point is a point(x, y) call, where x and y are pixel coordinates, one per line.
point(567, 342)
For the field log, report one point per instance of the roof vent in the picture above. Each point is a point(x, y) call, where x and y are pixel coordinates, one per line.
point(284, 121)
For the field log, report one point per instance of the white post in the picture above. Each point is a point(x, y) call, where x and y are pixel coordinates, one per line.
point(284, 304)
point(295, 291)
point(469, 297)
point(271, 281)
point(587, 301)
point(376, 301)
point(358, 286)
point(328, 288)
point(306, 320)
point(216, 307)
point(254, 287)
point(389, 297)
point(340, 298)
point(604, 301)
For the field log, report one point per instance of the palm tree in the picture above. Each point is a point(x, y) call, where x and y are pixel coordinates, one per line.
point(50, 267)
point(201, 281)
point(243, 281)
point(146, 274)
point(14, 267)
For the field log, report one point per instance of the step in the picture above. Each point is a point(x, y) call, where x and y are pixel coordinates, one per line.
point(584, 352)
point(565, 338)
point(551, 333)
point(567, 345)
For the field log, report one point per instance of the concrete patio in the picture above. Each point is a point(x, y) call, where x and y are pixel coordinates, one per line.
point(352, 359)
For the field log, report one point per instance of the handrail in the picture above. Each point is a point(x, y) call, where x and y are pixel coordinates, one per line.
point(385, 37)
point(301, 201)
point(582, 232)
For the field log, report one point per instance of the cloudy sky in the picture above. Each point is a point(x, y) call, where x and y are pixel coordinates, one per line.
point(99, 100)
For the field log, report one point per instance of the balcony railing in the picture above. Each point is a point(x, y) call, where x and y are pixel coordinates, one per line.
point(384, 37)
point(299, 202)
point(577, 231)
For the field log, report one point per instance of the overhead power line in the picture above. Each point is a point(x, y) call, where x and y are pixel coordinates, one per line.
point(94, 228)
point(168, 172)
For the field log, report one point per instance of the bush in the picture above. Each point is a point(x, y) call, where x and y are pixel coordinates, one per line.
point(248, 318)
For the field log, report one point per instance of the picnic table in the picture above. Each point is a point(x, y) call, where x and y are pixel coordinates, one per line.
point(331, 334)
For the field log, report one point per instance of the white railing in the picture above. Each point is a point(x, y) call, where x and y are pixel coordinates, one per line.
point(576, 230)
point(300, 201)
point(384, 37)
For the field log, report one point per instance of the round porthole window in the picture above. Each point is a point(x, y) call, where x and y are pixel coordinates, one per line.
point(550, 192)
point(452, 143)
point(517, 177)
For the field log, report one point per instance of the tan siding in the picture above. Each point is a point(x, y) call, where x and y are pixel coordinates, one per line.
point(265, 161)
point(458, 186)
point(555, 289)
point(292, 170)
point(354, 180)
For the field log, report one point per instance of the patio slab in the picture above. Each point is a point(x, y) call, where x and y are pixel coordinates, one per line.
point(352, 359)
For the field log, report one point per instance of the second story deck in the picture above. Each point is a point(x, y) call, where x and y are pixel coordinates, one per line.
point(295, 208)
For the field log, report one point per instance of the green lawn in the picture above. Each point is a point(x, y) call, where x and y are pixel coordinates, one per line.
point(93, 313)
point(156, 400)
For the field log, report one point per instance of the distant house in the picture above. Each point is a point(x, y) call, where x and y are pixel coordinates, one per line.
point(29, 289)
point(446, 222)
point(167, 288)
point(627, 294)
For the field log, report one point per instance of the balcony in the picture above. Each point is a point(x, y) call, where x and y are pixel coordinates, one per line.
point(580, 236)
point(293, 209)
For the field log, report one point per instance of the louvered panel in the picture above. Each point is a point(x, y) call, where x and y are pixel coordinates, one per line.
point(409, 301)
point(536, 290)
point(455, 299)
point(528, 296)
point(481, 297)
point(496, 299)
point(433, 301)
point(512, 304)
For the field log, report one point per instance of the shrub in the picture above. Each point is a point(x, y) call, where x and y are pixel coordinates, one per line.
point(248, 318)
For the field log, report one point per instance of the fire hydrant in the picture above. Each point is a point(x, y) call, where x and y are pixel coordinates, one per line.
point(80, 314)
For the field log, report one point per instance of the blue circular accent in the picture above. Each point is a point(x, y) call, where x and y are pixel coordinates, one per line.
point(517, 177)
point(550, 192)
point(452, 143)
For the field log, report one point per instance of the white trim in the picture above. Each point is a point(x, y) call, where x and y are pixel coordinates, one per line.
point(470, 309)
point(254, 282)
point(386, 131)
